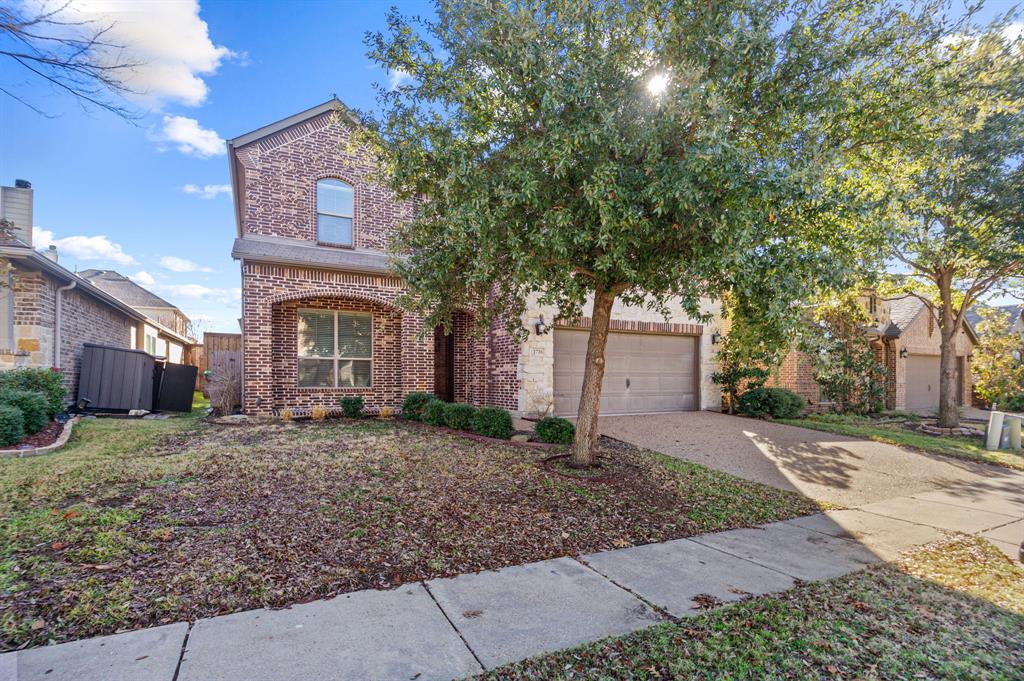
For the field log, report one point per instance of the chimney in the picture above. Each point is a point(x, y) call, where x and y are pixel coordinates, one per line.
point(16, 206)
point(51, 253)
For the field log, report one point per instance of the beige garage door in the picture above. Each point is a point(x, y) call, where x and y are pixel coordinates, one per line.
point(643, 373)
point(922, 382)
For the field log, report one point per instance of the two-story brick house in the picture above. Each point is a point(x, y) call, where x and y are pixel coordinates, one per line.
point(319, 312)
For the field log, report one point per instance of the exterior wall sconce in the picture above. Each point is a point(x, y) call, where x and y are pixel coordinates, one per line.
point(716, 338)
point(903, 353)
point(542, 327)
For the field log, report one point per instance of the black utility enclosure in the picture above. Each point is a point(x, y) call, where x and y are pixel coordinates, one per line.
point(117, 379)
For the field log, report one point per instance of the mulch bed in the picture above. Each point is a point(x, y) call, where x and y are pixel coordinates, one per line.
point(277, 514)
point(47, 436)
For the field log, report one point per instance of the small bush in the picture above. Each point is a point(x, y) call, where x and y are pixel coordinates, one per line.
point(458, 416)
point(412, 406)
point(492, 422)
point(286, 415)
point(777, 403)
point(434, 412)
point(555, 430)
point(352, 406)
point(318, 413)
point(50, 382)
point(33, 406)
point(12, 427)
point(386, 412)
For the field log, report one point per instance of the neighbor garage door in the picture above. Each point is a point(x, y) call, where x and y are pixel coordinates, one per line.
point(643, 373)
point(922, 382)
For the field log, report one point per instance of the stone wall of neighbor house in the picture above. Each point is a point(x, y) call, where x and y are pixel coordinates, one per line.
point(85, 320)
point(536, 356)
point(923, 337)
point(279, 176)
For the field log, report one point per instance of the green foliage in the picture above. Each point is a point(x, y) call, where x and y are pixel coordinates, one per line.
point(555, 430)
point(412, 406)
point(750, 349)
point(997, 366)
point(12, 425)
point(845, 365)
point(458, 416)
point(352, 406)
point(47, 381)
point(434, 412)
point(778, 403)
point(33, 406)
point(492, 422)
point(547, 166)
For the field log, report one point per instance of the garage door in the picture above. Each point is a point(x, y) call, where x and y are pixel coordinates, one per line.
point(922, 382)
point(643, 373)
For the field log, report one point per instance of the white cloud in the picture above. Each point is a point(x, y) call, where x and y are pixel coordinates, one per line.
point(226, 296)
point(82, 247)
point(191, 138)
point(176, 264)
point(207, 191)
point(397, 78)
point(167, 41)
point(142, 277)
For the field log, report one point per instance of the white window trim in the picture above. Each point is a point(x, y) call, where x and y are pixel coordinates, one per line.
point(335, 357)
point(316, 195)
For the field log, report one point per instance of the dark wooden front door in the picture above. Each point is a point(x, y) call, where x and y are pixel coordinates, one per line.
point(444, 361)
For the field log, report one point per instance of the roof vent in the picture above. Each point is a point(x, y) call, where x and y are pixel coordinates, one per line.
point(23, 184)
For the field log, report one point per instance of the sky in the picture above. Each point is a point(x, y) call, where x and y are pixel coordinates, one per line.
point(150, 198)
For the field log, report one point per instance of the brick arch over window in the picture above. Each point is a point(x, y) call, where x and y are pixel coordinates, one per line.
point(333, 292)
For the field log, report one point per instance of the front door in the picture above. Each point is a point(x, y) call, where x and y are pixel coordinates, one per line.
point(444, 360)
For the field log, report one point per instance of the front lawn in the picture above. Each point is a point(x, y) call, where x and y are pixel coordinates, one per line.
point(972, 448)
point(138, 523)
point(950, 611)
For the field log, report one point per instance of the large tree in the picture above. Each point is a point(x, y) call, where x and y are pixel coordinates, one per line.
point(589, 152)
point(954, 194)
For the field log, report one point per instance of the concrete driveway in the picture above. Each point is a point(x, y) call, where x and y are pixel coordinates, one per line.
point(824, 466)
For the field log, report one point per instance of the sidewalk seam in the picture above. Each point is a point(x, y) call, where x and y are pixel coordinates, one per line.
point(454, 628)
point(660, 611)
point(941, 529)
point(181, 655)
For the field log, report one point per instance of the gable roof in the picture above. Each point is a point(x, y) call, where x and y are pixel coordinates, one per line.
point(124, 289)
point(904, 310)
point(332, 104)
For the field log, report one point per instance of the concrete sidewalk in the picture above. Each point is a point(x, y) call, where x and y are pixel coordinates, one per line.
point(450, 628)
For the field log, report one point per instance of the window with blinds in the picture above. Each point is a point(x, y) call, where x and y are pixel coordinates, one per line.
point(335, 349)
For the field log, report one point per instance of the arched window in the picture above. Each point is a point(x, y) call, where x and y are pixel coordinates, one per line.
point(334, 212)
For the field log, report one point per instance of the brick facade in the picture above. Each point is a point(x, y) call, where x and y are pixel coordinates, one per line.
point(84, 320)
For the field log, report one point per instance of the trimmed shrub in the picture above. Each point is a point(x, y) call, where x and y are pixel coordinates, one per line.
point(50, 382)
point(33, 406)
point(318, 413)
point(434, 412)
point(777, 403)
point(555, 430)
point(412, 406)
point(12, 427)
point(458, 416)
point(352, 406)
point(492, 422)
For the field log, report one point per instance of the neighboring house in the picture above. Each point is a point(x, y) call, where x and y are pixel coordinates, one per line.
point(320, 321)
point(1014, 312)
point(906, 340)
point(165, 333)
point(48, 312)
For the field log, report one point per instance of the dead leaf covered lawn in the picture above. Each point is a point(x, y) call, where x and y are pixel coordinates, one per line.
point(199, 520)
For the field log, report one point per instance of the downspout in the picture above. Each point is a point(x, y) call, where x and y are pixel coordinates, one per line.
point(56, 323)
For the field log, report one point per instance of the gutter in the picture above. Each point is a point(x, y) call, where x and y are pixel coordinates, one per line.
point(56, 321)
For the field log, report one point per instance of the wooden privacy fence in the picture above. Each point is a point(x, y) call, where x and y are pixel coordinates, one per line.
point(221, 353)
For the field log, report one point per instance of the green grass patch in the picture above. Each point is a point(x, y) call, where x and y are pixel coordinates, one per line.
point(952, 611)
point(894, 433)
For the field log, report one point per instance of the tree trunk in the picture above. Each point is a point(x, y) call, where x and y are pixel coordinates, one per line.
point(949, 410)
point(584, 451)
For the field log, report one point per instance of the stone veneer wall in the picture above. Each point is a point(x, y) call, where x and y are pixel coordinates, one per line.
point(537, 356)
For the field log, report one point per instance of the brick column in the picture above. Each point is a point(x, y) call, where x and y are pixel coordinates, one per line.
point(257, 354)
